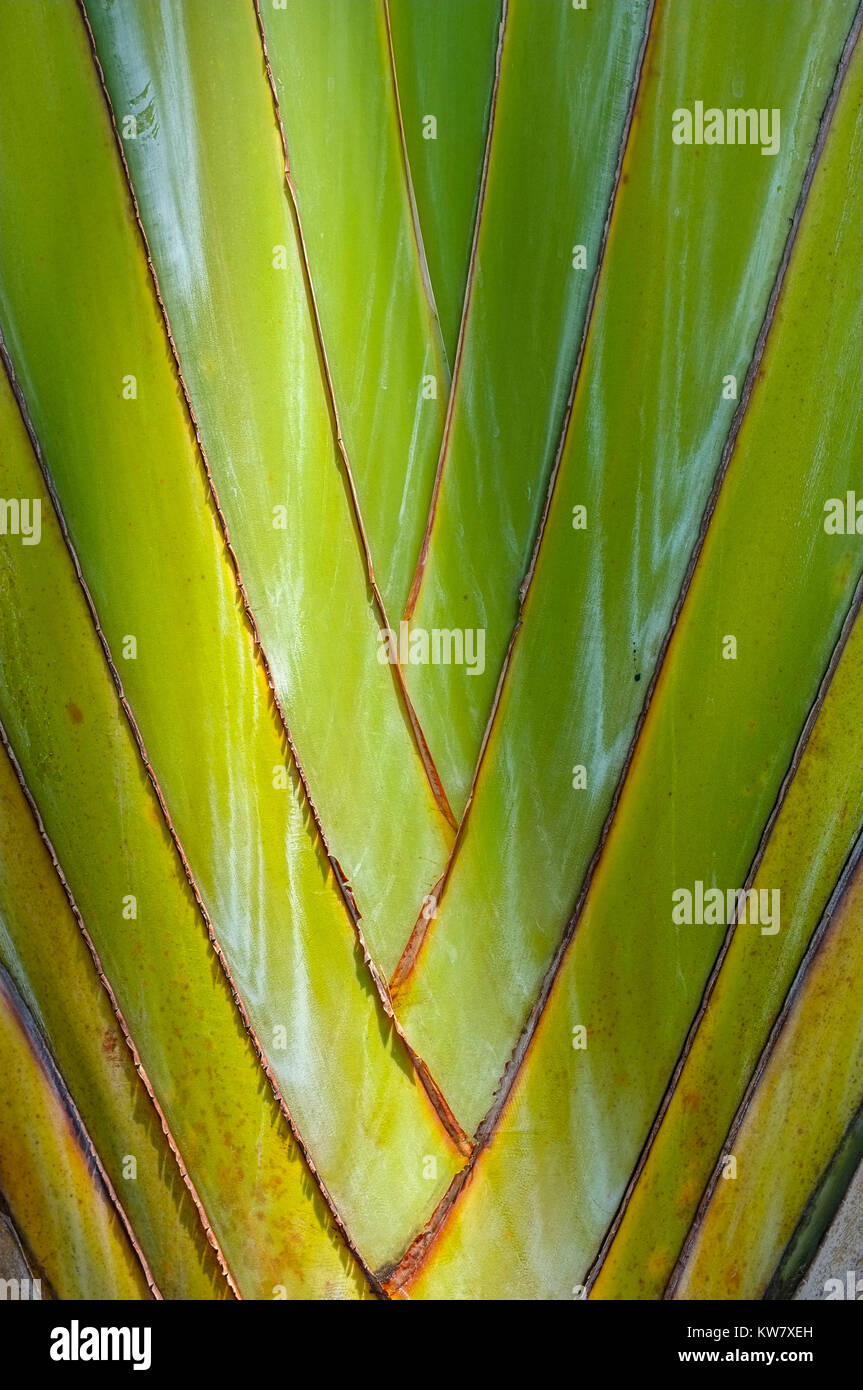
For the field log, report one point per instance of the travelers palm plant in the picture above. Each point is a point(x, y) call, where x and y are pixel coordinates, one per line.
point(431, 666)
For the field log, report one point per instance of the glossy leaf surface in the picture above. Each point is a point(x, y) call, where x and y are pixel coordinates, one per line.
point(643, 449)
point(566, 81)
point(47, 1173)
point(813, 835)
point(444, 56)
point(810, 1089)
point(41, 943)
point(333, 74)
point(348, 1047)
point(63, 718)
point(689, 812)
point(230, 272)
point(153, 556)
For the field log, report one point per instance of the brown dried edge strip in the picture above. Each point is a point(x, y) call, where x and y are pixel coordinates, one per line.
point(33, 1265)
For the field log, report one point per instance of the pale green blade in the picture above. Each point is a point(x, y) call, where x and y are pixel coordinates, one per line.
point(155, 562)
point(49, 1178)
point(209, 178)
point(577, 1116)
point(602, 599)
point(806, 1096)
point(332, 69)
point(40, 944)
point(818, 822)
point(565, 86)
point(63, 717)
point(444, 52)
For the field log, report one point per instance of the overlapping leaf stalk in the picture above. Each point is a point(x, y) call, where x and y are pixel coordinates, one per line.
point(372, 977)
